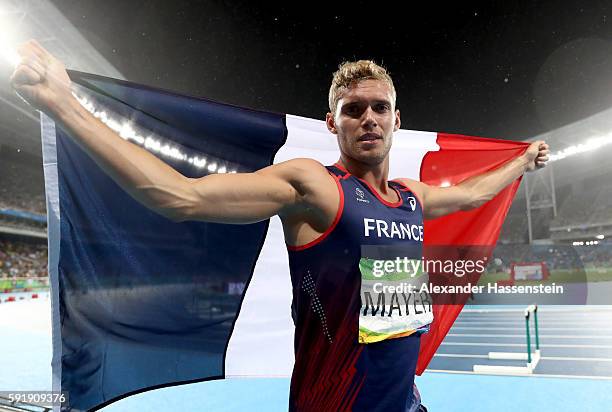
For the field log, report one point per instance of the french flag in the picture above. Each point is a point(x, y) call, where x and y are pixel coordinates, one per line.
point(140, 302)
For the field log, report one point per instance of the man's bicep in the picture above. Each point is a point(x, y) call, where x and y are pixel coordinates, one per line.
point(242, 198)
point(440, 201)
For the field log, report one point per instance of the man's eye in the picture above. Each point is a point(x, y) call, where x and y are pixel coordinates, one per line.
point(382, 108)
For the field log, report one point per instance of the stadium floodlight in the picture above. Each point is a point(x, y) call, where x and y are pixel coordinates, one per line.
point(199, 162)
point(7, 44)
point(9, 55)
point(589, 145)
point(126, 130)
point(600, 237)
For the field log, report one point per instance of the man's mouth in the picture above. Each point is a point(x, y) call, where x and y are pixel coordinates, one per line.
point(369, 137)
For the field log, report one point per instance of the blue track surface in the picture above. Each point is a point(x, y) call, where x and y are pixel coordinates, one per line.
point(25, 355)
point(574, 340)
point(576, 343)
point(440, 392)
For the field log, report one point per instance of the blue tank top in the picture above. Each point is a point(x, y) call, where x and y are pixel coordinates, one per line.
point(357, 343)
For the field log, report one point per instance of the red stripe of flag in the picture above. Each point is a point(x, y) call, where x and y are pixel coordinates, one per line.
point(459, 158)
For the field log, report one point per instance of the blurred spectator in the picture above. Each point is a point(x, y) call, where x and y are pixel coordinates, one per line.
point(589, 204)
point(19, 259)
point(21, 185)
point(555, 256)
point(514, 229)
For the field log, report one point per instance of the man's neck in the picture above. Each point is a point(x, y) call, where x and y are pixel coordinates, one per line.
point(375, 175)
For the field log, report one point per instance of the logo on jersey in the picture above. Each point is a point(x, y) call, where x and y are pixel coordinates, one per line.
point(412, 203)
point(360, 196)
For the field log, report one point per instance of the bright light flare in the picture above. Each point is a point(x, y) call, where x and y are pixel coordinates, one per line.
point(591, 144)
point(8, 43)
point(10, 56)
point(126, 130)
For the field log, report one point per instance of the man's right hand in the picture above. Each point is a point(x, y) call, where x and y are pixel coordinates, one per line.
point(40, 78)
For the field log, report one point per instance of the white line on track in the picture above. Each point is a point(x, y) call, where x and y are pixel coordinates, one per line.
point(535, 375)
point(521, 317)
point(546, 310)
point(605, 322)
point(563, 358)
point(555, 358)
point(521, 321)
point(459, 355)
point(509, 312)
point(522, 345)
point(522, 335)
point(519, 328)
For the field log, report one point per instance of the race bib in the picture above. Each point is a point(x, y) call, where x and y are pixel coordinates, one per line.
point(392, 304)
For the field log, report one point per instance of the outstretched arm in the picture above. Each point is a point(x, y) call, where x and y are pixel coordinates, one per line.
point(477, 190)
point(226, 198)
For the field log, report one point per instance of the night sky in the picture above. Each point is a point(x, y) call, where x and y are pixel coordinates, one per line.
point(504, 70)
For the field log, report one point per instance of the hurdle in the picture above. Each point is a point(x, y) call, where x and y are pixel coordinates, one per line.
point(532, 358)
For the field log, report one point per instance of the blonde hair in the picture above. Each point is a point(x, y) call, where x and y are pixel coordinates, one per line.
point(351, 73)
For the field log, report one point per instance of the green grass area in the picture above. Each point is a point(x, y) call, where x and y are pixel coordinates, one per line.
point(21, 284)
point(492, 278)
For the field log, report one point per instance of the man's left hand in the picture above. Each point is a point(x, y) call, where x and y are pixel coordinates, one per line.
point(536, 155)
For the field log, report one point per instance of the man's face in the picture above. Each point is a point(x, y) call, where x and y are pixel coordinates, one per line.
point(365, 120)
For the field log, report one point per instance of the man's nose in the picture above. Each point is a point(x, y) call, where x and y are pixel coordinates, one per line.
point(368, 119)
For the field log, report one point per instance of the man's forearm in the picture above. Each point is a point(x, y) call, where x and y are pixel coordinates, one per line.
point(145, 177)
point(486, 186)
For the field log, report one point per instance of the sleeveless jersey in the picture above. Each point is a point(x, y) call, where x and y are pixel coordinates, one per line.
point(357, 331)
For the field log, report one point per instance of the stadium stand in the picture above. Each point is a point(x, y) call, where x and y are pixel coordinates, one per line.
point(514, 229)
point(22, 183)
point(584, 212)
point(22, 200)
point(588, 205)
point(22, 259)
point(557, 257)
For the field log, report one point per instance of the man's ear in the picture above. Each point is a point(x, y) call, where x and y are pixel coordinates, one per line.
point(331, 123)
point(398, 121)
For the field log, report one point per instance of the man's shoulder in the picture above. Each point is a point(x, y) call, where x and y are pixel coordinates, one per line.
point(305, 169)
point(295, 167)
point(306, 175)
point(417, 187)
point(317, 191)
point(306, 163)
point(407, 182)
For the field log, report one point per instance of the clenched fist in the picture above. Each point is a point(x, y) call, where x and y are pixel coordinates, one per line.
point(40, 78)
point(537, 155)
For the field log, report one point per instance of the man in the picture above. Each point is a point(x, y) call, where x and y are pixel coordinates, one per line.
point(337, 220)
